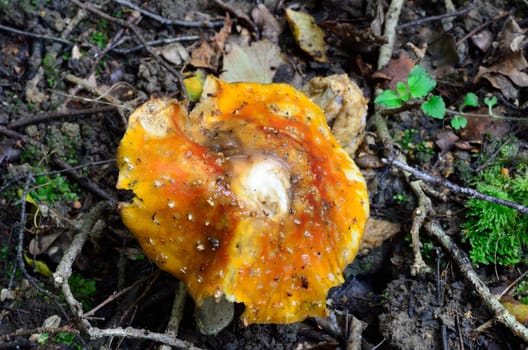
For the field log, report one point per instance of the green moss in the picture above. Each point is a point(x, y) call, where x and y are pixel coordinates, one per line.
point(497, 234)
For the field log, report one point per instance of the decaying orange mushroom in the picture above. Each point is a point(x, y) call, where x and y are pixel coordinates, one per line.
point(247, 197)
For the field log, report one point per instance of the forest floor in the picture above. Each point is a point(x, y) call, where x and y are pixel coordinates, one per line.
point(71, 72)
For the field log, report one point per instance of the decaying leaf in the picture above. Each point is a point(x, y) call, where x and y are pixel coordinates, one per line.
point(208, 54)
point(344, 106)
point(517, 309)
point(307, 34)
point(270, 27)
point(508, 74)
point(377, 231)
point(252, 63)
point(396, 70)
point(175, 53)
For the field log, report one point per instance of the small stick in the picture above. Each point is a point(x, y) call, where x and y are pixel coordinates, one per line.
point(155, 43)
point(177, 22)
point(482, 26)
point(458, 189)
point(26, 332)
point(34, 35)
point(48, 117)
point(421, 21)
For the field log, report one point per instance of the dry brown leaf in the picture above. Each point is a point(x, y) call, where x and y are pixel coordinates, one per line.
point(508, 72)
point(252, 63)
point(208, 54)
point(396, 70)
point(478, 127)
point(270, 27)
point(445, 140)
point(377, 231)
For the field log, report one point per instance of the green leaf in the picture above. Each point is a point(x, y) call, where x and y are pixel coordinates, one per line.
point(490, 102)
point(458, 122)
point(420, 82)
point(402, 90)
point(471, 100)
point(434, 107)
point(389, 98)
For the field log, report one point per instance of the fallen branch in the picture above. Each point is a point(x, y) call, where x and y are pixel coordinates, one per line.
point(462, 261)
point(458, 189)
point(422, 21)
point(177, 22)
point(130, 332)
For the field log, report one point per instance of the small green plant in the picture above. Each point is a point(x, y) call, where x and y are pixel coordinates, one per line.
point(82, 288)
point(51, 189)
point(51, 69)
point(100, 39)
point(64, 338)
point(496, 233)
point(419, 87)
point(400, 198)
point(521, 292)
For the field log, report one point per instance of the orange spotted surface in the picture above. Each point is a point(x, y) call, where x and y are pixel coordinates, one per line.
point(248, 196)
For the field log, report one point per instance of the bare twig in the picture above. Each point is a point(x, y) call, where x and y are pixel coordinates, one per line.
point(177, 22)
point(20, 248)
point(26, 332)
point(458, 189)
point(421, 212)
point(155, 43)
point(482, 26)
point(355, 332)
point(34, 35)
point(421, 21)
point(130, 332)
point(89, 224)
point(391, 20)
point(462, 261)
point(51, 116)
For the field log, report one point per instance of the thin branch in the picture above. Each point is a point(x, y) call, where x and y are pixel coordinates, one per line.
point(177, 22)
point(482, 26)
point(34, 35)
point(155, 43)
point(60, 115)
point(421, 21)
point(130, 332)
point(458, 189)
point(20, 248)
point(391, 20)
point(26, 332)
point(462, 261)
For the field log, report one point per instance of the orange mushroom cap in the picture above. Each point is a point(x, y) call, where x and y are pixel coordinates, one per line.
point(248, 196)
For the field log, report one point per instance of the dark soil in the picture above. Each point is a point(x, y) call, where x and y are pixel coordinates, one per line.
point(431, 311)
